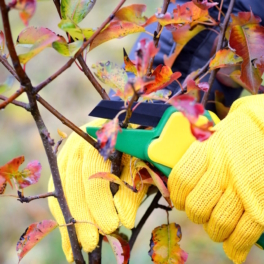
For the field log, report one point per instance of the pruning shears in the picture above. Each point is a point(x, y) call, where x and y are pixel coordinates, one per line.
point(164, 144)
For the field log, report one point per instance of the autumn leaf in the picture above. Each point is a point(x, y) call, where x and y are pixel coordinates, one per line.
point(163, 77)
point(145, 51)
point(224, 76)
point(156, 179)
point(132, 13)
point(224, 58)
point(194, 89)
point(203, 4)
point(62, 134)
point(164, 247)
point(106, 137)
point(202, 132)
point(76, 10)
point(111, 74)
point(67, 50)
point(112, 178)
point(34, 234)
point(129, 65)
point(181, 36)
point(27, 9)
point(36, 39)
point(248, 42)
point(116, 29)
point(75, 32)
point(236, 77)
point(221, 109)
point(2, 42)
point(120, 248)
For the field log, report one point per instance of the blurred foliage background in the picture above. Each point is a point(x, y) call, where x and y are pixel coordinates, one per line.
point(72, 95)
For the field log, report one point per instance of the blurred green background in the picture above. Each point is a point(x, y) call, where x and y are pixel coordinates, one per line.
point(72, 95)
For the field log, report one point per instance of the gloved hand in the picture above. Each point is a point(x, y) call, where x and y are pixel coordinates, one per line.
point(220, 182)
point(92, 200)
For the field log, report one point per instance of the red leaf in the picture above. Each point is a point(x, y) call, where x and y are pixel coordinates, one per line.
point(120, 247)
point(163, 77)
point(145, 51)
point(10, 169)
point(164, 247)
point(106, 137)
point(34, 234)
point(30, 175)
point(132, 13)
point(129, 65)
point(203, 4)
point(202, 132)
point(27, 9)
point(194, 89)
point(248, 42)
point(187, 105)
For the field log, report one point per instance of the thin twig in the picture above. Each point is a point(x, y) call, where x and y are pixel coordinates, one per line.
point(137, 229)
point(159, 28)
point(28, 199)
point(56, 147)
point(92, 79)
point(95, 257)
point(219, 46)
point(15, 102)
point(5, 62)
point(84, 46)
point(65, 121)
point(11, 98)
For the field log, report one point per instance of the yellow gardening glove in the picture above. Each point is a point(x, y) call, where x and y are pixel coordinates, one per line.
point(92, 200)
point(220, 182)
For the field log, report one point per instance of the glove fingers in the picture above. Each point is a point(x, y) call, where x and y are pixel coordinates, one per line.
point(87, 233)
point(186, 173)
point(126, 201)
point(225, 216)
point(245, 235)
point(97, 192)
point(203, 198)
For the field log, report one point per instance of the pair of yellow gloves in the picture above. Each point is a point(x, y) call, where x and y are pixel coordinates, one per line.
point(219, 183)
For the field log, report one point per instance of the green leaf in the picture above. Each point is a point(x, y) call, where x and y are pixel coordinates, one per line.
point(66, 49)
point(164, 246)
point(7, 84)
point(75, 32)
point(77, 10)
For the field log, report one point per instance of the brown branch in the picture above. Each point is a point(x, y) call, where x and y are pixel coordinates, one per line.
point(52, 159)
point(95, 257)
point(157, 33)
point(28, 199)
point(92, 79)
point(218, 47)
point(65, 121)
point(85, 44)
point(11, 98)
point(17, 103)
point(4, 61)
point(57, 4)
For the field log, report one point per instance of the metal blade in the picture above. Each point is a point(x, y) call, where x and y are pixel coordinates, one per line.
point(146, 114)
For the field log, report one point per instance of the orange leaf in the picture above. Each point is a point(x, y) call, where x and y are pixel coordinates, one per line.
point(120, 248)
point(224, 58)
point(129, 65)
point(132, 13)
point(34, 234)
point(27, 9)
point(163, 77)
point(116, 29)
point(62, 134)
point(248, 42)
point(164, 247)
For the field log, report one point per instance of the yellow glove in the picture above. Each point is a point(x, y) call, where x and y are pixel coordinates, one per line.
point(220, 183)
point(92, 200)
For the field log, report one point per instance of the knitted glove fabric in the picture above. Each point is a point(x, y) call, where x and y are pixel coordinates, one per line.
point(92, 200)
point(220, 182)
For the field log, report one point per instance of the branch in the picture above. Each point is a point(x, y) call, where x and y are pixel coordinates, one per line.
point(17, 103)
point(92, 79)
point(65, 121)
point(85, 44)
point(4, 61)
point(219, 46)
point(28, 199)
point(11, 98)
point(157, 33)
point(95, 257)
point(26, 84)
point(136, 230)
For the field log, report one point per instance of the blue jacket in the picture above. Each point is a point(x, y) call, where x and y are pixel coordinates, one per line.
point(197, 51)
